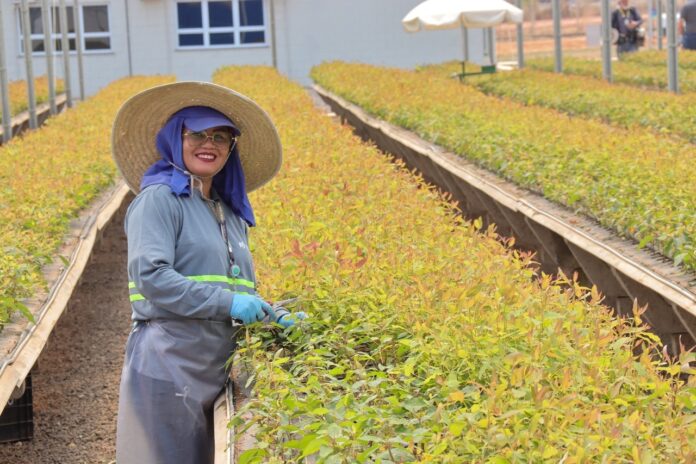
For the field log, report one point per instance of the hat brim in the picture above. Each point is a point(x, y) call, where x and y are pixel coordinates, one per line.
point(205, 123)
point(133, 137)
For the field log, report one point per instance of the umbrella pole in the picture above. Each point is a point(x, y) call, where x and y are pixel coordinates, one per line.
point(465, 46)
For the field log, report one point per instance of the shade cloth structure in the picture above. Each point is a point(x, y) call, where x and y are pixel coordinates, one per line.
point(450, 14)
point(464, 14)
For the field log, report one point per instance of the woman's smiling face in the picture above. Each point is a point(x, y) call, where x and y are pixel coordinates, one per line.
point(206, 152)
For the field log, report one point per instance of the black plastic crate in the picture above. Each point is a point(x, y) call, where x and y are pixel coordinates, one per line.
point(17, 420)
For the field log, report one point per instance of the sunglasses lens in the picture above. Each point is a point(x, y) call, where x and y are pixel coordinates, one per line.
point(196, 138)
point(220, 139)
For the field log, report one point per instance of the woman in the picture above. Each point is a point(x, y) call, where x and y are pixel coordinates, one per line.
point(192, 150)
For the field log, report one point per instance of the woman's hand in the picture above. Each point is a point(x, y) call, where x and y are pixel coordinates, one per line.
point(288, 320)
point(249, 309)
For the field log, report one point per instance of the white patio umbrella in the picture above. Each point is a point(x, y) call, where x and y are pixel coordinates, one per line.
point(451, 14)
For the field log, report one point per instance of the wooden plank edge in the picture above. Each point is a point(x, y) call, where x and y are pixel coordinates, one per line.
point(20, 122)
point(223, 410)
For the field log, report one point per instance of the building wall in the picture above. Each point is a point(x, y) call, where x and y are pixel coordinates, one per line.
point(154, 45)
point(368, 31)
point(100, 68)
point(144, 41)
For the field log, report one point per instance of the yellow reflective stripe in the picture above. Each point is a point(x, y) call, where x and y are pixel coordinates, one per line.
point(208, 278)
point(246, 283)
point(138, 297)
point(203, 278)
point(221, 278)
point(214, 278)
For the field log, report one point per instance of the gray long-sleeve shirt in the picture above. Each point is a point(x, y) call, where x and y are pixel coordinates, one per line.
point(178, 265)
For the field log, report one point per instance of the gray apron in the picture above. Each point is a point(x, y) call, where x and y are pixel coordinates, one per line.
point(172, 373)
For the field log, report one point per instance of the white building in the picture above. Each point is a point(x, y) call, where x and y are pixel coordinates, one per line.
point(190, 39)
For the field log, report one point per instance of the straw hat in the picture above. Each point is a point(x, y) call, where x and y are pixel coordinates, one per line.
point(143, 115)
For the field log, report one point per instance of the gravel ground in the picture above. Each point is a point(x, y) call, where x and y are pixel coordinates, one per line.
point(75, 383)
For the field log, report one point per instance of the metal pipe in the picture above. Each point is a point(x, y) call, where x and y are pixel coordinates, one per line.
point(606, 41)
point(651, 31)
point(273, 35)
point(660, 33)
point(48, 49)
point(486, 45)
point(26, 34)
point(558, 63)
point(520, 40)
point(672, 71)
point(128, 41)
point(465, 42)
point(65, 48)
point(78, 47)
point(465, 49)
point(4, 86)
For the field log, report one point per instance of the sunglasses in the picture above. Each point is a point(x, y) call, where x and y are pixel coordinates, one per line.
point(221, 139)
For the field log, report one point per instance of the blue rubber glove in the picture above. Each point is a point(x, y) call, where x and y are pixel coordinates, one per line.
point(249, 309)
point(288, 319)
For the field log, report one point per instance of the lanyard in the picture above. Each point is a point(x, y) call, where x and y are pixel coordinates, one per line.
point(220, 217)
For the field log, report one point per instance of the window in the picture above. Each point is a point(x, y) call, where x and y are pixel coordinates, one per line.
point(96, 35)
point(220, 23)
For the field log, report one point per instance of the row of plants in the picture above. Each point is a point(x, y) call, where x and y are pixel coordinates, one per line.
point(17, 91)
point(618, 104)
point(635, 182)
point(686, 59)
point(451, 68)
point(50, 175)
point(428, 341)
point(623, 72)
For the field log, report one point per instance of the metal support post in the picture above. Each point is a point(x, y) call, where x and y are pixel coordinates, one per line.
point(660, 31)
point(274, 52)
point(65, 48)
point(606, 41)
point(4, 87)
point(78, 47)
point(558, 63)
point(520, 40)
point(26, 35)
point(651, 31)
point(46, 15)
point(465, 49)
point(491, 43)
point(673, 78)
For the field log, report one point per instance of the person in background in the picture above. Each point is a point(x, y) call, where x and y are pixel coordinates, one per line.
point(687, 25)
point(191, 151)
point(627, 21)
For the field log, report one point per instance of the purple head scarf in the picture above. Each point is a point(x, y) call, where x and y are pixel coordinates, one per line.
point(228, 183)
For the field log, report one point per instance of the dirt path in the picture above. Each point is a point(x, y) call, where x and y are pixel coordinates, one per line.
point(75, 384)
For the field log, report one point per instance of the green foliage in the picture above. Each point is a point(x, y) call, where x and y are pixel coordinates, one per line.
point(634, 182)
point(428, 341)
point(49, 175)
point(686, 59)
point(624, 72)
point(616, 104)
